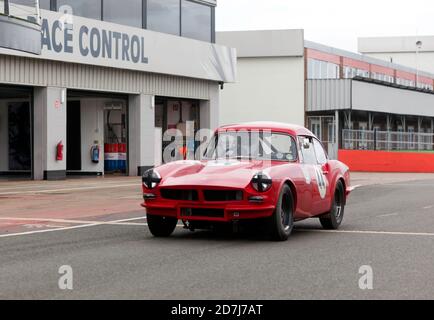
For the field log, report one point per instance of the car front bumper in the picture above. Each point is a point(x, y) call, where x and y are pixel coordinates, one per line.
point(193, 211)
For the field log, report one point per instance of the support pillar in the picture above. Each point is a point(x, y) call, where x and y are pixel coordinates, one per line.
point(141, 134)
point(209, 109)
point(49, 130)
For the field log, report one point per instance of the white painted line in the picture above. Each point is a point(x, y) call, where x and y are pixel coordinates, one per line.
point(423, 234)
point(70, 189)
point(428, 207)
point(72, 228)
point(388, 215)
point(116, 222)
point(352, 188)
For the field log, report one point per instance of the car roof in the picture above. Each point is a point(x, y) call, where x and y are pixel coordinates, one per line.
point(269, 125)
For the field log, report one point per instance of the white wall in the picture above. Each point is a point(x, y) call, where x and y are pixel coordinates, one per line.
point(49, 130)
point(92, 130)
point(267, 89)
point(4, 136)
point(141, 133)
point(424, 62)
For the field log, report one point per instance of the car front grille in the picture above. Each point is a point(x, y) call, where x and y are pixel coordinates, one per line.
point(223, 195)
point(179, 194)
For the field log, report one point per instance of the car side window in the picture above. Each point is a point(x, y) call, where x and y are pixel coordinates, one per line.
point(307, 150)
point(321, 155)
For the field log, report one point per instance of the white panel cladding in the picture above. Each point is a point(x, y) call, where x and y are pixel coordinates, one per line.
point(328, 94)
point(35, 72)
point(379, 98)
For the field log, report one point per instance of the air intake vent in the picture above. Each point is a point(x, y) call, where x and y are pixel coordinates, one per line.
point(178, 194)
point(223, 195)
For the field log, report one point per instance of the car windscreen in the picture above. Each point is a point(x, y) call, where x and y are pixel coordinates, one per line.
point(252, 145)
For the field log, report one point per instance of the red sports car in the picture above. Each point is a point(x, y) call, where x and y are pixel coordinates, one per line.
point(274, 172)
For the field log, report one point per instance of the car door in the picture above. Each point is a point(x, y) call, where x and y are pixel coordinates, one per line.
point(323, 174)
point(308, 164)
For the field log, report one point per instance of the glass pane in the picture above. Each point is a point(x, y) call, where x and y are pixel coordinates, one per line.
point(163, 16)
point(196, 21)
point(2, 7)
point(83, 8)
point(43, 4)
point(23, 9)
point(320, 153)
point(126, 12)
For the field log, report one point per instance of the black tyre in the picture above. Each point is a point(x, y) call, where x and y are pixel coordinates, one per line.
point(161, 226)
point(333, 219)
point(282, 221)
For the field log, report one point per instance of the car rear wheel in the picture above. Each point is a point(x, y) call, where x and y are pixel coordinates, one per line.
point(161, 226)
point(334, 218)
point(282, 221)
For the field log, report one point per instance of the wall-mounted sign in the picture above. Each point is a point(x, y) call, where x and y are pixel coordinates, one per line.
point(87, 41)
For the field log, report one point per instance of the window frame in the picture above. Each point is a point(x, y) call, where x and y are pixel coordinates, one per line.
point(212, 20)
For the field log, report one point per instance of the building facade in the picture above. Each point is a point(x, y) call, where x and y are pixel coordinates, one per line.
point(350, 101)
point(416, 52)
point(110, 78)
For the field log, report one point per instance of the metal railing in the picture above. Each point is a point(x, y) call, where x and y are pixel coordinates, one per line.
point(387, 140)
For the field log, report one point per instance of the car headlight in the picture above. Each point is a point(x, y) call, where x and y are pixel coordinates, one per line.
point(261, 182)
point(151, 179)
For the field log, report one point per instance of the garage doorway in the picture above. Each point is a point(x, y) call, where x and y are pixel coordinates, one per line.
point(97, 134)
point(16, 123)
point(174, 113)
point(73, 136)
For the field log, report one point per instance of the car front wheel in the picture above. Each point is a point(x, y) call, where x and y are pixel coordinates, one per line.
point(282, 221)
point(161, 226)
point(333, 219)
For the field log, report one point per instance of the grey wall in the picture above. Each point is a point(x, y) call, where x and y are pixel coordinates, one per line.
point(264, 43)
point(371, 97)
point(328, 95)
point(34, 72)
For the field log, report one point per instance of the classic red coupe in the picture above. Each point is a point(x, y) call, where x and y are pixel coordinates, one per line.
point(278, 173)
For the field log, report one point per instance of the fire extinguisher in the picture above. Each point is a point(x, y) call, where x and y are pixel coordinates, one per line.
point(59, 151)
point(94, 153)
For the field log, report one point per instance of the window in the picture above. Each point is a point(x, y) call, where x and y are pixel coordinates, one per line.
point(126, 12)
point(16, 9)
point(83, 8)
point(319, 151)
point(164, 16)
point(252, 145)
point(322, 70)
point(43, 4)
point(196, 21)
point(307, 150)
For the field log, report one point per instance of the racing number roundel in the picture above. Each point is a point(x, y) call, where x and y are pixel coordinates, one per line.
point(321, 181)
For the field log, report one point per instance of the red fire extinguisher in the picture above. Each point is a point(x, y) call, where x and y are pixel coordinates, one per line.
point(59, 151)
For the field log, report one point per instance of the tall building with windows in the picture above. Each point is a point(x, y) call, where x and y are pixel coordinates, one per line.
point(92, 88)
point(350, 101)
